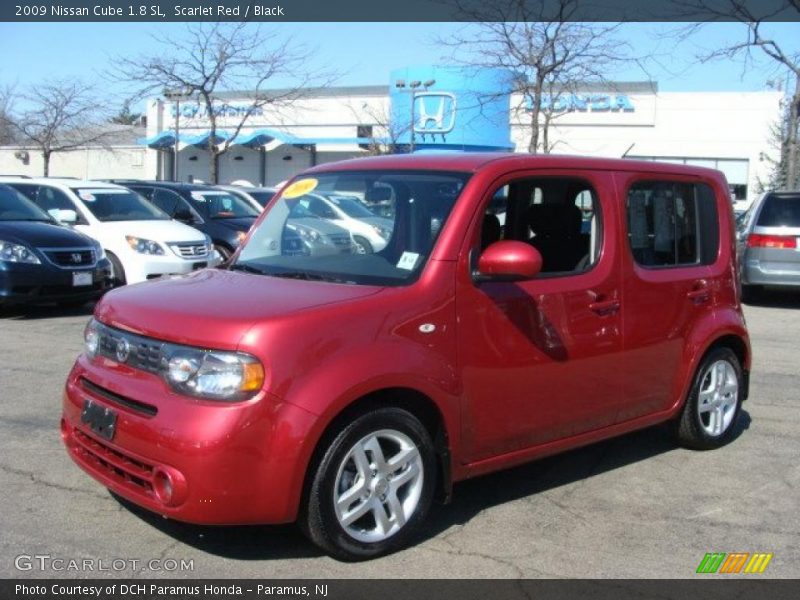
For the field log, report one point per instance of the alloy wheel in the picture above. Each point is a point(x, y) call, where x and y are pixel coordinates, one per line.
point(378, 486)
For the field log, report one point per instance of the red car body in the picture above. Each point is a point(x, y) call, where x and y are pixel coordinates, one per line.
point(607, 351)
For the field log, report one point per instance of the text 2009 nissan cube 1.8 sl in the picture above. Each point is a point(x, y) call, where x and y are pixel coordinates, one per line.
point(521, 306)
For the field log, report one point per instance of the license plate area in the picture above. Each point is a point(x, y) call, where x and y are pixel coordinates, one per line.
point(199, 265)
point(81, 278)
point(101, 420)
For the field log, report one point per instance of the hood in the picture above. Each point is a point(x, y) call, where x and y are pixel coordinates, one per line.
point(379, 221)
point(236, 223)
point(42, 235)
point(319, 225)
point(214, 308)
point(158, 231)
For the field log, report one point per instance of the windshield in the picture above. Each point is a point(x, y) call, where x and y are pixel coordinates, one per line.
point(16, 207)
point(224, 205)
point(352, 207)
point(262, 196)
point(298, 237)
point(110, 204)
point(780, 211)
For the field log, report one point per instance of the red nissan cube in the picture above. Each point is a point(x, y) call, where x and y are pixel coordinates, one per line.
point(518, 306)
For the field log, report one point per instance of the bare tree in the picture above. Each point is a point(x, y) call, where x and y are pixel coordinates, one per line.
point(757, 40)
point(59, 116)
point(222, 57)
point(6, 109)
point(383, 132)
point(550, 55)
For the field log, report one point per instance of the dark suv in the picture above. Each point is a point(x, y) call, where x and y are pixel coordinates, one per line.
point(223, 216)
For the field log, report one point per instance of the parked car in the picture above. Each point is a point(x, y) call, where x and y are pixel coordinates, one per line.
point(260, 196)
point(43, 261)
point(370, 232)
point(141, 241)
point(346, 391)
point(224, 217)
point(769, 243)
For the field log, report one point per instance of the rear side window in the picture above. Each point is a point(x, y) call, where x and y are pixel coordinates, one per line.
point(672, 224)
point(45, 197)
point(780, 211)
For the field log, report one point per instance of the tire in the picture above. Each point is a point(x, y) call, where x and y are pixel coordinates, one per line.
point(751, 293)
point(72, 304)
point(362, 245)
point(117, 271)
point(349, 464)
point(709, 416)
point(224, 252)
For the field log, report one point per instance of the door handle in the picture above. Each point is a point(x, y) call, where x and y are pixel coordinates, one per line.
point(700, 293)
point(604, 307)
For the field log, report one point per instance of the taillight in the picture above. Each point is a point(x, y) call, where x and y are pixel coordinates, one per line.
point(758, 240)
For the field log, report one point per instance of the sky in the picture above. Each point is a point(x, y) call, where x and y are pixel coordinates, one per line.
point(364, 53)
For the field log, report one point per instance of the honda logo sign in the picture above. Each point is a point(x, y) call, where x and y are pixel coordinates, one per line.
point(435, 112)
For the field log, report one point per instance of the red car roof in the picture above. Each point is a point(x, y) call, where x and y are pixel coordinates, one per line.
point(473, 161)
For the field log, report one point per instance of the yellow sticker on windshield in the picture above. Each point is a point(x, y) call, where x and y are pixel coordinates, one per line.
point(300, 188)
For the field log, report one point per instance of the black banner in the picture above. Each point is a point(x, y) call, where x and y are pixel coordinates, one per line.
point(396, 10)
point(717, 588)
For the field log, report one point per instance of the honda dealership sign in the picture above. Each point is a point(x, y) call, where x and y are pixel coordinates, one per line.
point(460, 109)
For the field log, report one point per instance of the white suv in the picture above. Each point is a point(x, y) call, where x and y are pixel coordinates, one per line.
point(141, 241)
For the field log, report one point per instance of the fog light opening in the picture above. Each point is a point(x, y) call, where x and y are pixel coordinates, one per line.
point(163, 486)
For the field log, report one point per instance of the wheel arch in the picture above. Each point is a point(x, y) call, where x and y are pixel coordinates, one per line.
point(416, 402)
point(724, 329)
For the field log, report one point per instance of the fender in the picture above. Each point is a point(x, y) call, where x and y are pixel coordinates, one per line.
point(713, 326)
point(432, 377)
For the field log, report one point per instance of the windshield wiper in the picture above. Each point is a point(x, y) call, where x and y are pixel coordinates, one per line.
point(307, 276)
point(246, 269)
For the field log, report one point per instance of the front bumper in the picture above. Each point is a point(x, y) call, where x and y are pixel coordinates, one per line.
point(142, 267)
point(25, 284)
point(230, 463)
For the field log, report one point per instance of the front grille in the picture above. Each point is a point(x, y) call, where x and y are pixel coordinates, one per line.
point(340, 239)
point(142, 353)
point(70, 257)
point(123, 469)
point(190, 250)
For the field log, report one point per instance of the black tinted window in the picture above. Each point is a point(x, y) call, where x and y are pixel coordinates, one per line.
point(672, 223)
point(165, 200)
point(780, 211)
point(46, 198)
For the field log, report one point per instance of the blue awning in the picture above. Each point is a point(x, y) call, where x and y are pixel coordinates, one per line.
point(254, 139)
point(165, 139)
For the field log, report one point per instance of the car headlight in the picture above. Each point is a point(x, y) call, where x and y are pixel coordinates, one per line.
point(209, 243)
point(99, 251)
point(214, 374)
point(309, 235)
point(382, 231)
point(17, 253)
point(91, 338)
point(143, 246)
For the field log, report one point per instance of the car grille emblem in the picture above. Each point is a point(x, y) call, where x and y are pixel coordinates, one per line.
point(76, 257)
point(123, 350)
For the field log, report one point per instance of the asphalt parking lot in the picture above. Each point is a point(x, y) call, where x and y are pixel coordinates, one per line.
point(637, 506)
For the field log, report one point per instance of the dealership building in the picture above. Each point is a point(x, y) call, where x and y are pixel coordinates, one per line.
point(451, 109)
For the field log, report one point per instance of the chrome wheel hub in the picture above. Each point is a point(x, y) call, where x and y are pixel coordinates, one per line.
point(378, 486)
point(717, 398)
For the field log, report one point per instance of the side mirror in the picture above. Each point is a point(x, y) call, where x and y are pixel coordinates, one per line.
point(508, 260)
point(64, 215)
